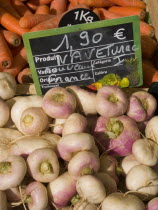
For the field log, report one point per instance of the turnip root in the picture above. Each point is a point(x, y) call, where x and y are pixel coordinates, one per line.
point(145, 151)
point(84, 205)
point(151, 131)
point(5, 113)
point(33, 121)
point(91, 189)
point(72, 143)
point(57, 126)
point(86, 100)
point(22, 104)
point(7, 86)
point(83, 163)
point(12, 172)
point(61, 190)
point(58, 103)
point(116, 134)
point(143, 179)
point(108, 165)
point(3, 201)
point(120, 201)
point(37, 198)
point(111, 101)
point(142, 106)
point(43, 165)
point(108, 181)
point(75, 123)
point(128, 162)
point(152, 204)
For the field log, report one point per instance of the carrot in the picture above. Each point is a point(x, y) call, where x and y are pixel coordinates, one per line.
point(10, 23)
point(6, 58)
point(94, 3)
point(73, 6)
point(150, 74)
point(149, 47)
point(6, 4)
point(16, 50)
point(128, 11)
point(32, 20)
point(19, 63)
point(58, 6)
point(25, 76)
point(21, 8)
point(12, 39)
point(43, 9)
point(146, 29)
point(34, 4)
point(130, 3)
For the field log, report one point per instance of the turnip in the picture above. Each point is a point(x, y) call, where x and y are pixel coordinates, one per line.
point(5, 113)
point(84, 205)
point(12, 172)
point(142, 106)
point(86, 100)
point(58, 103)
point(152, 204)
point(7, 85)
point(61, 190)
point(13, 195)
point(128, 162)
point(37, 198)
point(75, 123)
point(90, 188)
point(151, 130)
point(3, 201)
point(22, 104)
point(116, 134)
point(72, 143)
point(57, 126)
point(120, 201)
point(43, 165)
point(108, 181)
point(108, 164)
point(66, 208)
point(145, 151)
point(111, 101)
point(143, 179)
point(33, 121)
point(83, 163)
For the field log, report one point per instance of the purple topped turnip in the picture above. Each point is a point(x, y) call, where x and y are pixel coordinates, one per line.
point(152, 204)
point(151, 131)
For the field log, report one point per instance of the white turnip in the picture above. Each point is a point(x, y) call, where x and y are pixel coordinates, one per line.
point(72, 143)
point(37, 198)
point(12, 172)
point(61, 190)
point(145, 151)
point(151, 130)
point(90, 188)
point(3, 201)
point(84, 205)
point(5, 113)
point(43, 165)
point(120, 201)
point(83, 163)
point(57, 126)
point(58, 103)
point(143, 179)
point(111, 101)
point(142, 106)
point(33, 121)
point(75, 123)
point(128, 162)
point(152, 204)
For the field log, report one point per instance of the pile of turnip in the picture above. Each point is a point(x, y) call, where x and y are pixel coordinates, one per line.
point(75, 149)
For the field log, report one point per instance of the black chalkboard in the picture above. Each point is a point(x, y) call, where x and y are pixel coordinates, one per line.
point(83, 54)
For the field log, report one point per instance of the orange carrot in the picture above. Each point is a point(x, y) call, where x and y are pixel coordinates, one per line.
point(128, 11)
point(9, 22)
point(6, 4)
point(6, 58)
point(19, 63)
point(32, 20)
point(73, 6)
point(12, 39)
point(130, 3)
point(43, 9)
point(25, 76)
point(149, 46)
point(33, 4)
point(16, 50)
point(21, 8)
point(146, 29)
point(93, 3)
point(58, 6)
point(150, 74)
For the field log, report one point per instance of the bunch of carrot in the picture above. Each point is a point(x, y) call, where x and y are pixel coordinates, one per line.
point(21, 16)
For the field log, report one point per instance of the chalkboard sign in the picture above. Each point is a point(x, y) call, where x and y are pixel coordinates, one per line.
point(86, 53)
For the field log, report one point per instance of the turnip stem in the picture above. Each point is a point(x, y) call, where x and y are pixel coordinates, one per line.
point(58, 97)
point(5, 167)
point(28, 120)
point(46, 167)
point(87, 171)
